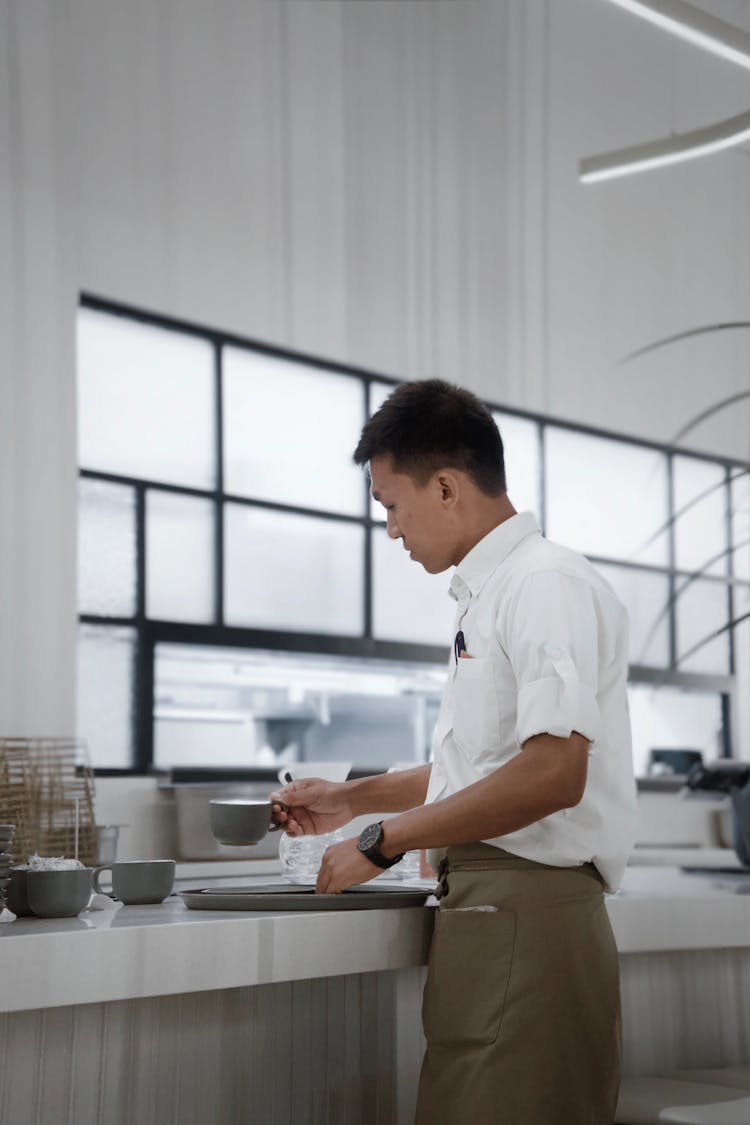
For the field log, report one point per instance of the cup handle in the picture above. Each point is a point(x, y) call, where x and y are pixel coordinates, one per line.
point(95, 877)
point(284, 808)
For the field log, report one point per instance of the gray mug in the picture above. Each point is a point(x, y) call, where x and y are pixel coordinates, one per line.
point(58, 894)
point(138, 882)
point(239, 821)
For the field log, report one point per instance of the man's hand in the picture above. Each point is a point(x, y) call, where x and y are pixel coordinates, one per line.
point(344, 866)
point(313, 806)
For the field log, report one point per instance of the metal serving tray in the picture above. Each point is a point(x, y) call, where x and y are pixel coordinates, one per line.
point(282, 896)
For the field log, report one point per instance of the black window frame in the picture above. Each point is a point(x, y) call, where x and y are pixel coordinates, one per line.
point(150, 632)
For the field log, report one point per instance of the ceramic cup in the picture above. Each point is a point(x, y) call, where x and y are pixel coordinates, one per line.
point(58, 894)
point(239, 821)
point(138, 882)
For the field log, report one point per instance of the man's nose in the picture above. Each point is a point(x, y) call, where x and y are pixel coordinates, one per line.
point(392, 526)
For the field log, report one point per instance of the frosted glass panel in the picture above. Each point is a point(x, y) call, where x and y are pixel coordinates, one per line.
point(522, 461)
point(605, 497)
point(409, 604)
point(179, 557)
point(290, 572)
point(701, 531)
point(672, 718)
point(106, 549)
point(741, 526)
point(145, 401)
point(702, 608)
point(290, 431)
point(645, 596)
point(106, 711)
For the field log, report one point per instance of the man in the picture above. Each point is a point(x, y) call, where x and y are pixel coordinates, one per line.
point(531, 789)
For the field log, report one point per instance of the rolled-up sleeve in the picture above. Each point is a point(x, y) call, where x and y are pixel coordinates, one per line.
point(550, 635)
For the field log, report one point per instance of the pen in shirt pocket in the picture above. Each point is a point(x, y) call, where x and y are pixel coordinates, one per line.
point(459, 647)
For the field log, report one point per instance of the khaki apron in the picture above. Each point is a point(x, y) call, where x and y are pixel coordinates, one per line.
point(522, 1003)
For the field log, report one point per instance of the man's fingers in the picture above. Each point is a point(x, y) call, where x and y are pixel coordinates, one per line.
point(296, 791)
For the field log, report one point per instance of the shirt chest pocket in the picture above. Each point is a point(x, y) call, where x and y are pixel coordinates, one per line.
point(476, 712)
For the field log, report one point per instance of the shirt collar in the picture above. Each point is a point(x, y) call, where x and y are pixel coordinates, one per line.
point(489, 553)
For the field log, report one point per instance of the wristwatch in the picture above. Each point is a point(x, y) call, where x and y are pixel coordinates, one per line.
point(370, 839)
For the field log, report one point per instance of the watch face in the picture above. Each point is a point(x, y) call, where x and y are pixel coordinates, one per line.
point(370, 837)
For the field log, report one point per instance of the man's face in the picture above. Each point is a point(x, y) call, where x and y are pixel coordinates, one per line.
point(415, 514)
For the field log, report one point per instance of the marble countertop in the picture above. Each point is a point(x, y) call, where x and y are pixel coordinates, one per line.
point(124, 952)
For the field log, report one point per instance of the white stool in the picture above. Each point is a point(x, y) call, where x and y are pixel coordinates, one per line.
point(650, 1100)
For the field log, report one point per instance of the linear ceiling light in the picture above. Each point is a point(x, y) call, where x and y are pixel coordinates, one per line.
point(670, 150)
point(694, 26)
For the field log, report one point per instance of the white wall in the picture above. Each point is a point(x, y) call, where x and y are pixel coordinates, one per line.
point(392, 184)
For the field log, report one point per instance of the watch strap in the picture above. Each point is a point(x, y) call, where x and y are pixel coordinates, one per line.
point(374, 853)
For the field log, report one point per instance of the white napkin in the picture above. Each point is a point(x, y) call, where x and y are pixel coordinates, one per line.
point(101, 902)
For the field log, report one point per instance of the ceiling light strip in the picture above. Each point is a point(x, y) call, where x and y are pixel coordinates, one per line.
point(670, 150)
point(694, 26)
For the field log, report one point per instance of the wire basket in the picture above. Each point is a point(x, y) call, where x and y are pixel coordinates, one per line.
point(42, 783)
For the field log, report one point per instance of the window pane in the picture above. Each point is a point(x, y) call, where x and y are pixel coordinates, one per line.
point(378, 394)
point(145, 401)
point(290, 431)
point(606, 497)
point(645, 596)
point(701, 531)
point(179, 557)
point(409, 603)
point(702, 608)
point(291, 572)
point(675, 719)
point(106, 549)
point(741, 526)
point(106, 710)
point(522, 462)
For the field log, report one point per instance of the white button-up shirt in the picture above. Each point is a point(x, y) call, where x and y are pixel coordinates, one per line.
point(549, 641)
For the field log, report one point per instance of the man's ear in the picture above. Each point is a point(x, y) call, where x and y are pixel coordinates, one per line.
point(448, 484)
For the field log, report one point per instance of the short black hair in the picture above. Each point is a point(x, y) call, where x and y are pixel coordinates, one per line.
point(431, 424)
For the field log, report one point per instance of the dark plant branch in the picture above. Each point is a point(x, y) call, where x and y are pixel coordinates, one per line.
point(690, 333)
point(711, 637)
point(686, 508)
point(708, 413)
point(681, 589)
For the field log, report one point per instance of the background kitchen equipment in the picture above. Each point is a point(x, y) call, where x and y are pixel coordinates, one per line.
point(673, 763)
point(107, 836)
point(43, 781)
point(730, 777)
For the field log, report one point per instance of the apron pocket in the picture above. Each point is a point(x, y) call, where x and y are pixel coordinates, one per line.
point(467, 978)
